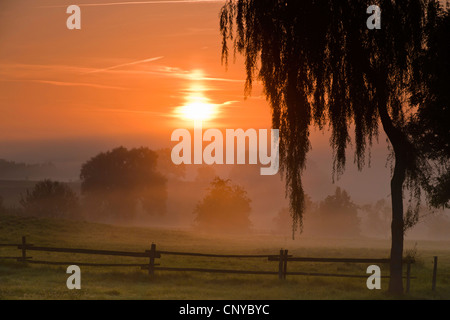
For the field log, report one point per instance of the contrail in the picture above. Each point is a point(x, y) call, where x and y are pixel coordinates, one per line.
point(136, 2)
point(126, 64)
point(67, 84)
point(78, 84)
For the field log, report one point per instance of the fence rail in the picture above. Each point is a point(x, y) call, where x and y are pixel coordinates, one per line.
point(86, 251)
point(282, 258)
point(345, 260)
point(218, 255)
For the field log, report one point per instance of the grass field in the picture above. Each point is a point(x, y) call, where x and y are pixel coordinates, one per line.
point(19, 281)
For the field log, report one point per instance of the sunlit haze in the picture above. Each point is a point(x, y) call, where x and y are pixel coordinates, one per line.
point(134, 73)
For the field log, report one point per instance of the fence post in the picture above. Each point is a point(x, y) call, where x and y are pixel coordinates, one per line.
point(24, 250)
point(151, 267)
point(285, 263)
point(280, 265)
point(433, 286)
point(408, 275)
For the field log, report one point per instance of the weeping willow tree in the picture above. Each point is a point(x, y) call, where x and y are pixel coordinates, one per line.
point(321, 66)
point(429, 125)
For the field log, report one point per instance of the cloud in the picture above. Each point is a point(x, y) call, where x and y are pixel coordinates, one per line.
point(20, 70)
point(78, 84)
point(162, 71)
point(123, 73)
point(143, 112)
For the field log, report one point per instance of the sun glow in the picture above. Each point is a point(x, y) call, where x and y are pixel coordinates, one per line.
point(197, 106)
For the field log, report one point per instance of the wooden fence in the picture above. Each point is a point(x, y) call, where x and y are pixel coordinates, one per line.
point(282, 258)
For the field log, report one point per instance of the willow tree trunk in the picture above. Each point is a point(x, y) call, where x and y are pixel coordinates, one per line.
point(397, 228)
point(399, 143)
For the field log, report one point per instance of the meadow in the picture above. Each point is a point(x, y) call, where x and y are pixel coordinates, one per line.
point(30, 281)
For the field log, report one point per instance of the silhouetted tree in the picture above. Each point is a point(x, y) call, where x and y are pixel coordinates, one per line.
point(225, 208)
point(114, 183)
point(337, 216)
point(52, 199)
point(320, 65)
point(430, 128)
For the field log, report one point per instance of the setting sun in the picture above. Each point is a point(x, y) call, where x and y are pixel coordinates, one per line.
point(197, 105)
point(197, 108)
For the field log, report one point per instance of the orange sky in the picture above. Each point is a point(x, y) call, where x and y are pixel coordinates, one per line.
point(124, 73)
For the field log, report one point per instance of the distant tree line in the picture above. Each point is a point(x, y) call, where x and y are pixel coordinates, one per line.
point(122, 184)
point(114, 186)
point(335, 216)
point(117, 185)
point(10, 170)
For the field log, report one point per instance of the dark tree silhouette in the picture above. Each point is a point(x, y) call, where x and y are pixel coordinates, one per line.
point(430, 127)
point(321, 66)
point(225, 208)
point(50, 199)
point(114, 183)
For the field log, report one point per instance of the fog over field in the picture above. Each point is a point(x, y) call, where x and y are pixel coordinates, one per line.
point(62, 160)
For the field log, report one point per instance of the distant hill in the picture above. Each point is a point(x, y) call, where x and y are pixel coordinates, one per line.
point(10, 170)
